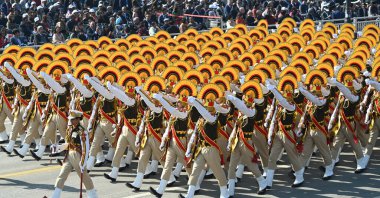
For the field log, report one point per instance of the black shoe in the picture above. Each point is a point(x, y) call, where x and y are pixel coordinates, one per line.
point(268, 187)
point(108, 161)
point(34, 155)
point(54, 154)
point(59, 162)
point(297, 185)
point(4, 141)
point(148, 175)
point(197, 192)
point(113, 180)
point(262, 192)
point(61, 141)
point(17, 153)
point(322, 168)
point(181, 196)
point(34, 150)
point(133, 187)
point(358, 171)
point(121, 169)
point(326, 178)
point(5, 150)
point(100, 164)
point(211, 176)
point(154, 192)
point(291, 174)
point(171, 184)
point(239, 179)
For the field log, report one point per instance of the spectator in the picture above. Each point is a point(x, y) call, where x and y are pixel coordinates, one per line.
point(58, 36)
point(184, 26)
point(15, 40)
point(240, 19)
point(3, 19)
point(26, 26)
point(3, 40)
point(250, 20)
point(78, 33)
point(40, 37)
point(153, 29)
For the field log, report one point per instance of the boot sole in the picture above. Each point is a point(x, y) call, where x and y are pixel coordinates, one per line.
point(154, 192)
point(5, 150)
point(113, 180)
point(297, 185)
point(35, 156)
point(131, 186)
point(17, 153)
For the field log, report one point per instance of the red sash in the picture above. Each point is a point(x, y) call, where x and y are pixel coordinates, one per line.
point(250, 147)
point(261, 130)
point(84, 114)
point(362, 125)
point(331, 108)
point(179, 143)
point(269, 100)
point(6, 101)
point(62, 114)
point(166, 114)
point(290, 138)
point(323, 129)
point(212, 143)
point(141, 110)
point(107, 116)
point(39, 107)
point(377, 106)
point(299, 110)
point(229, 124)
point(130, 127)
point(223, 133)
point(349, 126)
point(151, 130)
point(23, 102)
point(192, 125)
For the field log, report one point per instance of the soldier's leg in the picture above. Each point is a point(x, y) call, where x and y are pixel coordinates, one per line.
point(373, 134)
point(338, 143)
point(108, 130)
point(95, 146)
point(198, 166)
point(276, 150)
point(65, 171)
point(16, 131)
point(234, 161)
point(261, 144)
point(294, 159)
point(145, 154)
point(355, 145)
point(62, 126)
point(47, 137)
point(320, 140)
point(131, 138)
point(212, 157)
point(308, 147)
point(120, 149)
point(223, 142)
point(3, 132)
point(166, 172)
point(75, 158)
point(32, 134)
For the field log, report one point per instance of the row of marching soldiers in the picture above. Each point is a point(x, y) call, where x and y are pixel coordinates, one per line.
point(215, 127)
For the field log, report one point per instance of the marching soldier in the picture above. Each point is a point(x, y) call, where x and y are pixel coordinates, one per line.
point(285, 137)
point(33, 112)
point(103, 117)
point(240, 142)
point(130, 117)
point(205, 150)
point(175, 137)
point(55, 113)
point(77, 144)
point(23, 96)
point(83, 98)
point(313, 121)
point(345, 111)
point(149, 136)
point(373, 112)
point(8, 87)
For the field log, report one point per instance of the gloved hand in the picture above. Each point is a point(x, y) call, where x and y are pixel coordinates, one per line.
point(269, 141)
point(162, 146)
point(137, 142)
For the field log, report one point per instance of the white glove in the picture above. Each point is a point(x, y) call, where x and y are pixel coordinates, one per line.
point(157, 96)
point(162, 146)
point(367, 81)
point(84, 165)
point(332, 81)
point(138, 88)
point(137, 142)
point(188, 154)
point(114, 126)
point(271, 87)
point(269, 141)
point(228, 146)
point(191, 99)
point(24, 117)
point(299, 134)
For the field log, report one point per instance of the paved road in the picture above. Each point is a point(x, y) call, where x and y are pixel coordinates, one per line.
point(28, 178)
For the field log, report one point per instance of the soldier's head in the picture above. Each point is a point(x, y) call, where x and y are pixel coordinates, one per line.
point(75, 117)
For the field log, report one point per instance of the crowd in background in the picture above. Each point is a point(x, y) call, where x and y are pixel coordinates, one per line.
point(35, 22)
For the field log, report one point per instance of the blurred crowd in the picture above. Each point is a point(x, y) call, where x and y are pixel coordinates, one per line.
point(34, 22)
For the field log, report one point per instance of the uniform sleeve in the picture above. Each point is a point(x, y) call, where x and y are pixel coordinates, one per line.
point(202, 110)
point(283, 102)
point(173, 111)
point(347, 93)
point(241, 106)
point(315, 100)
point(148, 102)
